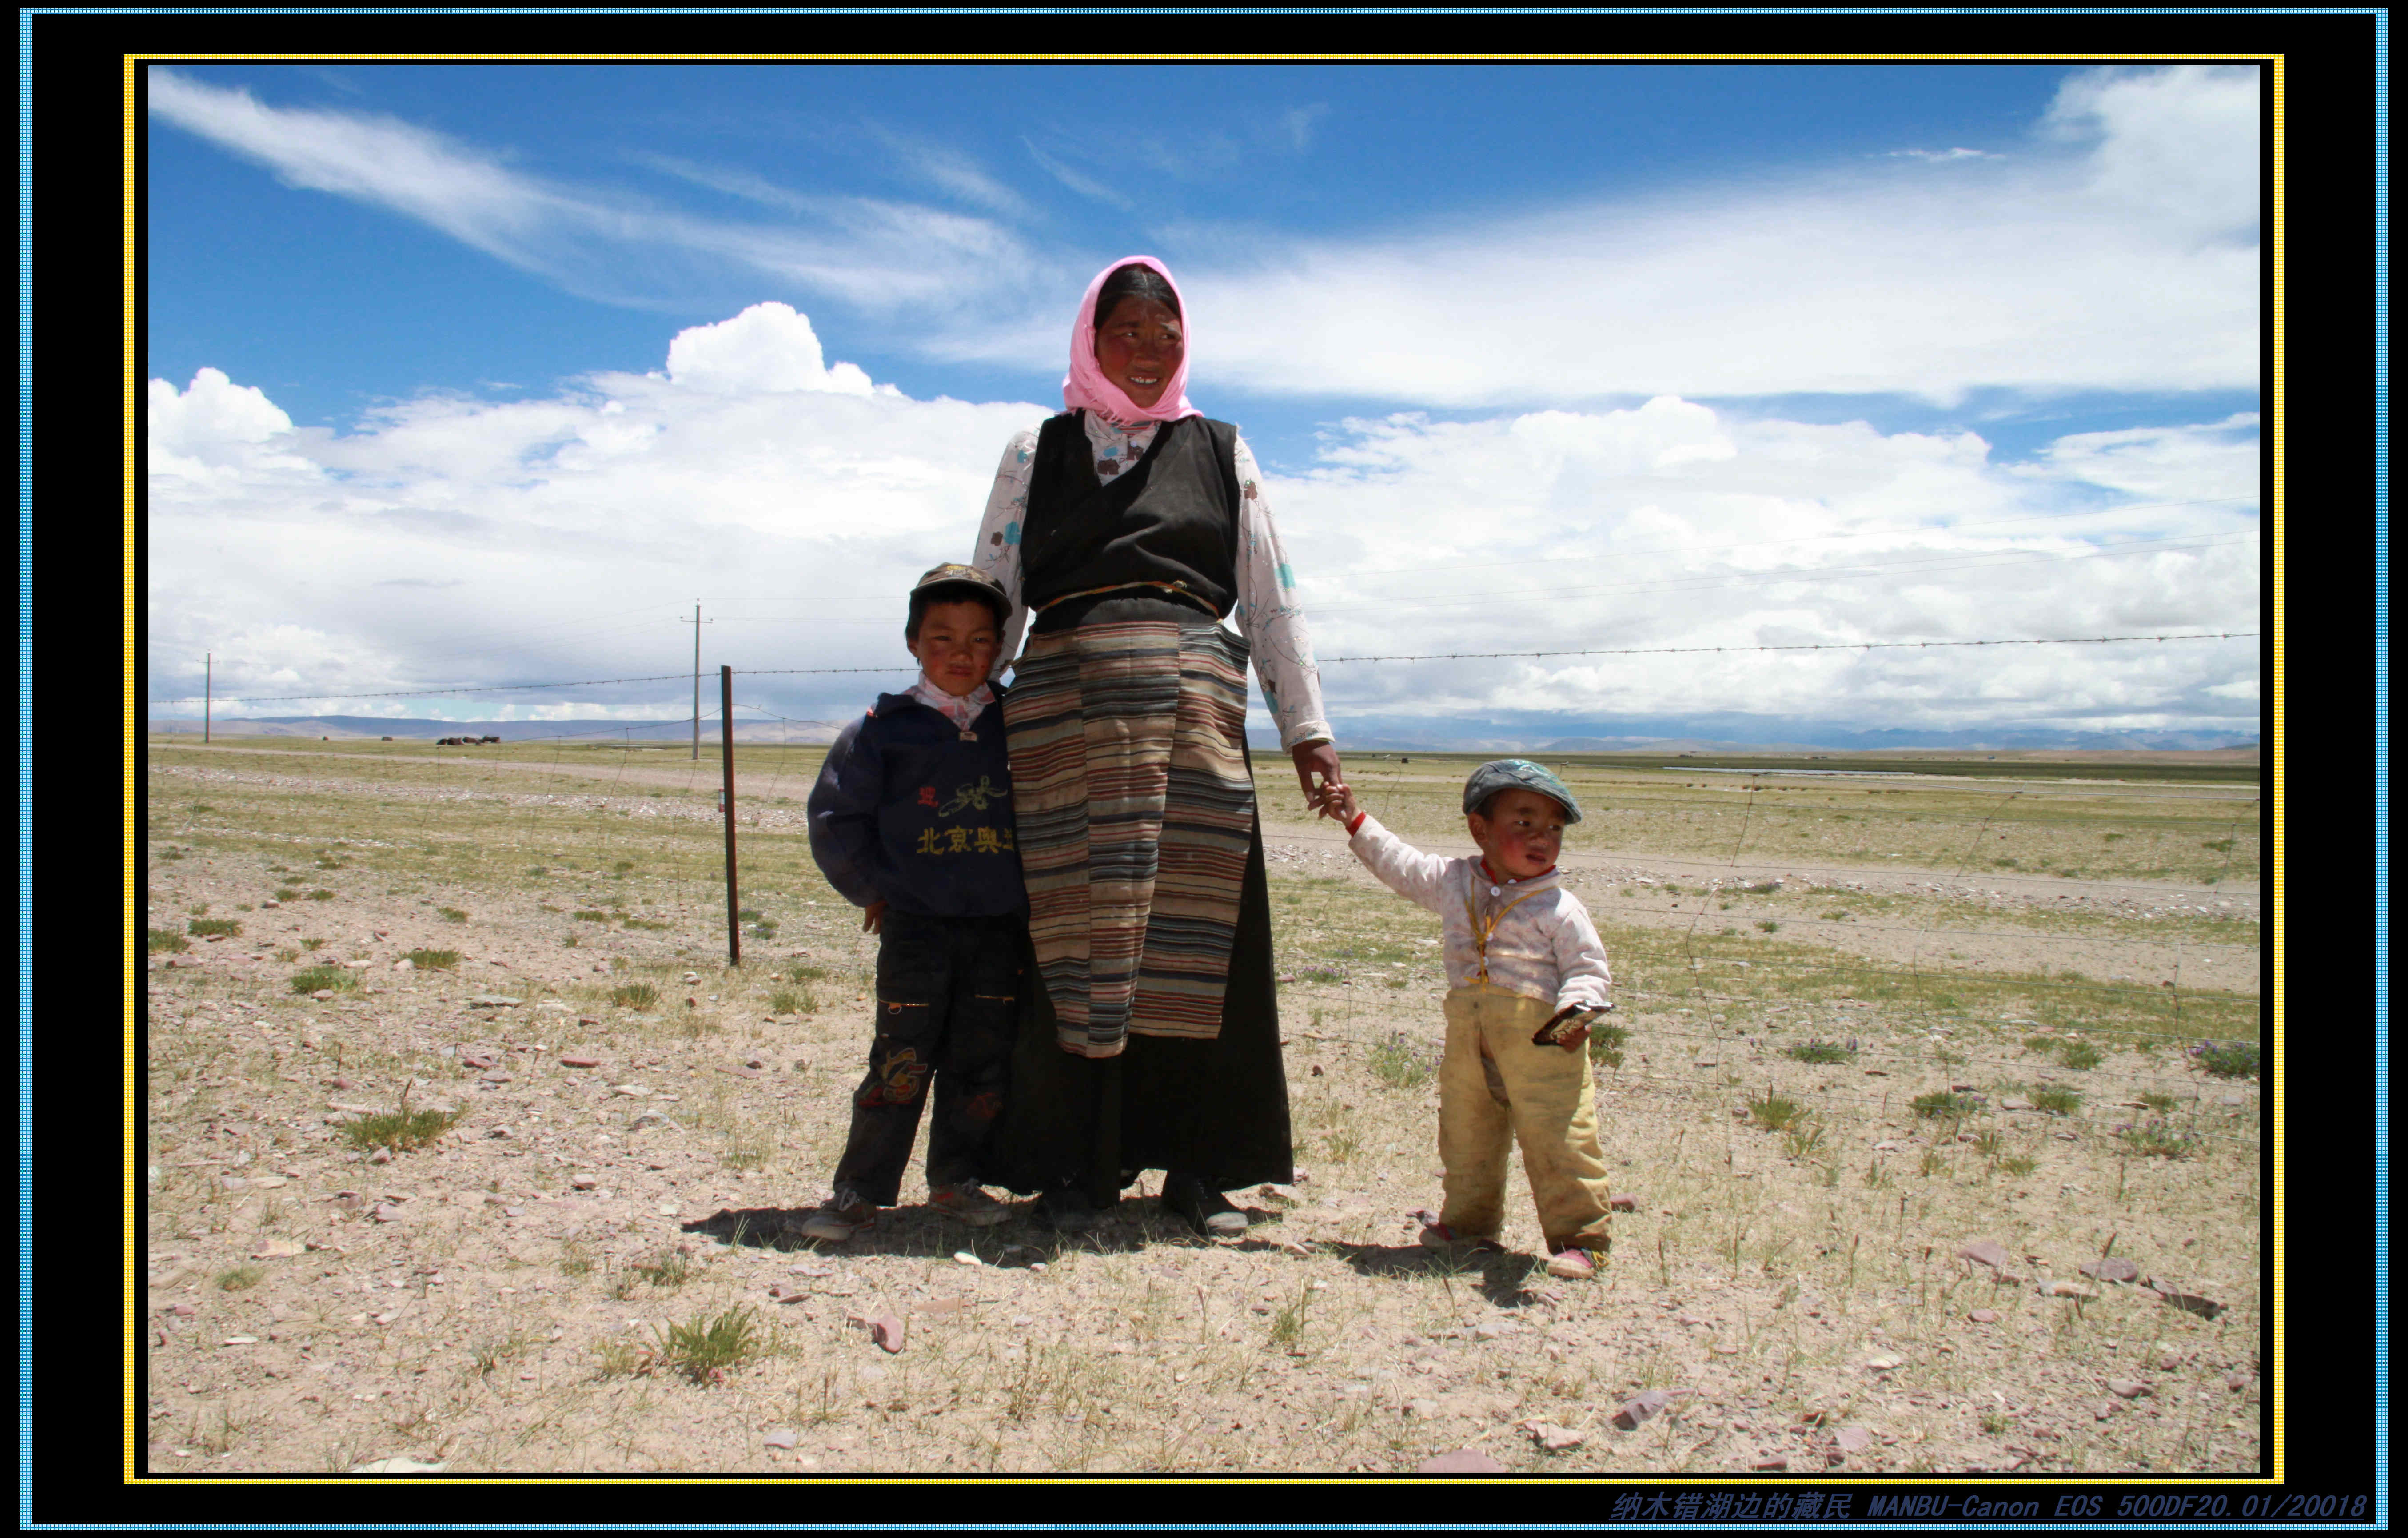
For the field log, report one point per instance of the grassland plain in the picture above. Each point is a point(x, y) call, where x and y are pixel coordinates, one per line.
point(586, 1267)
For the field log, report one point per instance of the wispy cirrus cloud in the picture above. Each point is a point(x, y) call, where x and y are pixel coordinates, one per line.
point(868, 252)
point(1076, 180)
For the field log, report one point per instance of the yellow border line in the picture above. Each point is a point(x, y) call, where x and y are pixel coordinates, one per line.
point(138, 1204)
point(134, 1297)
point(632, 59)
point(2274, 449)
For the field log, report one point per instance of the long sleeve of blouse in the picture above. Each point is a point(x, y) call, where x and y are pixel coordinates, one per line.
point(1265, 612)
point(1531, 938)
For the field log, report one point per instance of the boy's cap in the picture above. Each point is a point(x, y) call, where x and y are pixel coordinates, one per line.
point(1516, 774)
point(955, 574)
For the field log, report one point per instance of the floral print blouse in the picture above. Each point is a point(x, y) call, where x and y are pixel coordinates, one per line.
point(1266, 613)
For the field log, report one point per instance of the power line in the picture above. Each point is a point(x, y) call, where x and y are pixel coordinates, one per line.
point(1823, 646)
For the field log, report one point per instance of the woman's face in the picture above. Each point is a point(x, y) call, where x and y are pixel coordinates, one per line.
point(1139, 346)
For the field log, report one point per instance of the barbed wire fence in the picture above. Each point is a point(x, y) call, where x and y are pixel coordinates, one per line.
point(1710, 1015)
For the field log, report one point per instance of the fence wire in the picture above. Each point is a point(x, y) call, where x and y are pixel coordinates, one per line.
point(1714, 1017)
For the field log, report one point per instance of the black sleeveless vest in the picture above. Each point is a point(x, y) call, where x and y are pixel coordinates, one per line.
point(1170, 517)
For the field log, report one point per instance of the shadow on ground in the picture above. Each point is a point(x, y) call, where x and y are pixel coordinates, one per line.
point(920, 1233)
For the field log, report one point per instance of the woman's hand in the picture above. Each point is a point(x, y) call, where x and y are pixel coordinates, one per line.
point(1313, 758)
point(873, 918)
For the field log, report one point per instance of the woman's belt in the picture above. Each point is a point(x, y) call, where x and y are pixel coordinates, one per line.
point(1175, 589)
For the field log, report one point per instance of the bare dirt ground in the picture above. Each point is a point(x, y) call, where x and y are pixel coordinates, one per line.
point(514, 1295)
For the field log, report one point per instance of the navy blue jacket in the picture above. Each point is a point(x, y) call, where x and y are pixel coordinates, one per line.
point(909, 812)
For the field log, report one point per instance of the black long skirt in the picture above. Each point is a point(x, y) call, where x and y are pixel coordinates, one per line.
point(1216, 1108)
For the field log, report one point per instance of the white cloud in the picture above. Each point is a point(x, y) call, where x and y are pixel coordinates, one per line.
point(451, 540)
point(769, 348)
point(597, 241)
point(1672, 525)
point(2122, 255)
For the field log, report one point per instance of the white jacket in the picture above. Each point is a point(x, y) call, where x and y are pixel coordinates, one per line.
point(1539, 941)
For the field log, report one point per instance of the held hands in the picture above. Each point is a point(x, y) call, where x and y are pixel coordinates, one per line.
point(1317, 759)
point(1338, 804)
point(873, 918)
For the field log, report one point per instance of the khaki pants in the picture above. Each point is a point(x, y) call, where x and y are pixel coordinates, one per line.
point(1494, 1087)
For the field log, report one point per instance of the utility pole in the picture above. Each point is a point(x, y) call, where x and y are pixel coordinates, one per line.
point(697, 622)
point(208, 664)
point(727, 806)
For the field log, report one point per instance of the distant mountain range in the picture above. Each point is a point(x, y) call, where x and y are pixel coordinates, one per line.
point(1724, 735)
point(340, 728)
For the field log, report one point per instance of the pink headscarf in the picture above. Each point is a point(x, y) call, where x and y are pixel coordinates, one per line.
point(1085, 386)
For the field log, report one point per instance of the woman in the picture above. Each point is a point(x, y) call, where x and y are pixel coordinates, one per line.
point(1127, 527)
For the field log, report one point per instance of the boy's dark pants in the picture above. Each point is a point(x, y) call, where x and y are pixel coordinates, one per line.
point(948, 995)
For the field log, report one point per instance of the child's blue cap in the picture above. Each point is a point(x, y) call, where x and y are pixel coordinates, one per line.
point(1516, 774)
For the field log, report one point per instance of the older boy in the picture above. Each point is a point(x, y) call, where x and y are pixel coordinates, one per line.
point(1525, 970)
point(912, 819)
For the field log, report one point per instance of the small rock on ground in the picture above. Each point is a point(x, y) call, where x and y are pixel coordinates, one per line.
point(1986, 1252)
point(1462, 1460)
point(1639, 1408)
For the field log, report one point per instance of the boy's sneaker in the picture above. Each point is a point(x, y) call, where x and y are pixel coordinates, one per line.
point(1438, 1236)
point(968, 1204)
point(839, 1219)
point(1572, 1265)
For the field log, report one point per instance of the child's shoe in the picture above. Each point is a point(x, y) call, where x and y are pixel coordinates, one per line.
point(1572, 1265)
point(839, 1217)
point(969, 1204)
point(1438, 1236)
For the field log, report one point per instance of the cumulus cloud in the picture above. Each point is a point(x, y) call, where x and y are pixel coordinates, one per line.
point(1675, 526)
point(454, 541)
point(769, 348)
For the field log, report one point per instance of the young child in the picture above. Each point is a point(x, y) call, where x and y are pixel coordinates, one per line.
point(912, 819)
point(1524, 971)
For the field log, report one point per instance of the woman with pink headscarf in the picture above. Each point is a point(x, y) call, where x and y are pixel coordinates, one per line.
point(1124, 531)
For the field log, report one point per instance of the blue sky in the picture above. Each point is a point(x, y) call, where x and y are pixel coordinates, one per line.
point(1732, 355)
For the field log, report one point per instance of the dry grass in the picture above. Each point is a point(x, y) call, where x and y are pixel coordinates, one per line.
point(501, 1316)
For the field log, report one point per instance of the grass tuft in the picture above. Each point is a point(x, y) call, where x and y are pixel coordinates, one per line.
point(2080, 1055)
point(1820, 1051)
point(2227, 1059)
point(2154, 1139)
point(435, 961)
point(636, 995)
point(704, 1349)
point(1399, 1063)
point(1944, 1105)
point(340, 979)
point(402, 1130)
point(1605, 1042)
point(214, 926)
point(245, 1275)
point(169, 939)
point(451, 915)
point(1774, 1111)
point(2058, 1100)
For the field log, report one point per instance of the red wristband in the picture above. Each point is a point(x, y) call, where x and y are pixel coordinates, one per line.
point(1357, 822)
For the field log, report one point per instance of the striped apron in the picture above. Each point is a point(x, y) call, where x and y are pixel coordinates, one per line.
point(1128, 763)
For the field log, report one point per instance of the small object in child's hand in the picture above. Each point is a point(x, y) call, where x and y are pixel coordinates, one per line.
point(1570, 1018)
